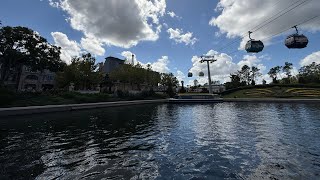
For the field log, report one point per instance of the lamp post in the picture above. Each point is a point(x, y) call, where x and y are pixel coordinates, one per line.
point(211, 60)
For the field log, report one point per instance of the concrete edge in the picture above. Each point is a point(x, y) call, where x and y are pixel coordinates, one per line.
point(15, 111)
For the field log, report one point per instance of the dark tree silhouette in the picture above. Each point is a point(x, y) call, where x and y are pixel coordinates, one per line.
point(21, 46)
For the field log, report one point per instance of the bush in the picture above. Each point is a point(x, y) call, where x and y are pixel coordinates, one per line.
point(6, 97)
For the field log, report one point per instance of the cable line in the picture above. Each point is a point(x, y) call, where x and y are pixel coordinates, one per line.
point(270, 20)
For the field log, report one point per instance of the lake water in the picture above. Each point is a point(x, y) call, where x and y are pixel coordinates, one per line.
point(166, 141)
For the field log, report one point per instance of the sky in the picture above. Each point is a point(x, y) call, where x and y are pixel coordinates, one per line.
point(171, 35)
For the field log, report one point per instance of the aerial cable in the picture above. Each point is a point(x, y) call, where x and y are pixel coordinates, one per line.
point(302, 3)
point(261, 25)
point(273, 35)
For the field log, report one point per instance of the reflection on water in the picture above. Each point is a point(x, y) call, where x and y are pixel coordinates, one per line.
point(210, 141)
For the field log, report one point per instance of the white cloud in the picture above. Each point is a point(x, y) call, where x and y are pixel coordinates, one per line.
point(180, 76)
point(54, 4)
point(160, 65)
point(178, 36)
point(252, 61)
point(314, 57)
point(93, 46)
point(69, 48)
point(128, 56)
point(173, 15)
point(224, 66)
point(220, 70)
point(120, 23)
point(239, 17)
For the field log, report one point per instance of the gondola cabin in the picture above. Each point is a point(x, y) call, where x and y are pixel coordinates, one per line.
point(201, 74)
point(190, 74)
point(297, 41)
point(254, 46)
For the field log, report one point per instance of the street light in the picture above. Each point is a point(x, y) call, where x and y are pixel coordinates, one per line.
point(211, 60)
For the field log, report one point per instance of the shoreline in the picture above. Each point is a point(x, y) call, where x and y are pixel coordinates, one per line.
point(17, 111)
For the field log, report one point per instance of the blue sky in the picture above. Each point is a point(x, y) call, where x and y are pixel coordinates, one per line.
point(171, 34)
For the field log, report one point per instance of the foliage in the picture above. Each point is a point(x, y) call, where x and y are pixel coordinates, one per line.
point(6, 96)
point(235, 82)
point(127, 73)
point(309, 74)
point(245, 74)
point(254, 74)
point(21, 46)
point(170, 81)
point(82, 72)
point(11, 99)
point(244, 77)
point(273, 73)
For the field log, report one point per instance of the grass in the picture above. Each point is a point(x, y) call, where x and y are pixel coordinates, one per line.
point(275, 92)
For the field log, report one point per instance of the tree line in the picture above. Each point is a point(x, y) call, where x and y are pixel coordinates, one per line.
point(22, 46)
point(309, 74)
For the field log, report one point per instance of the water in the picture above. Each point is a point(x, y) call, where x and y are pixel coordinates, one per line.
point(209, 141)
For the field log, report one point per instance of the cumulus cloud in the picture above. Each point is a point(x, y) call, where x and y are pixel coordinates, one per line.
point(173, 15)
point(180, 76)
point(314, 57)
point(239, 17)
point(54, 4)
point(69, 48)
point(128, 57)
point(224, 66)
point(178, 36)
point(93, 46)
point(160, 65)
point(252, 60)
point(120, 23)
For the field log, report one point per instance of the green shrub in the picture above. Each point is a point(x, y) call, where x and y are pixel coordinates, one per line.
point(6, 97)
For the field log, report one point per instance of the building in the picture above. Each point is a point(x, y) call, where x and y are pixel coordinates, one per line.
point(216, 88)
point(110, 64)
point(30, 80)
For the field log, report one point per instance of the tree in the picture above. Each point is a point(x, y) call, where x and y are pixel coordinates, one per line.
point(254, 73)
point(82, 71)
point(128, 73)
point(273, 73)
point(170, 81)
point(287, 70)
point(245, 74)
point(309, 73)
point(264, 82)
point(21, 46)
point(195, 83)
point(235, 82)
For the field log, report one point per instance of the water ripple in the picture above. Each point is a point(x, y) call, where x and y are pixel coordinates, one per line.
point(209, 141)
